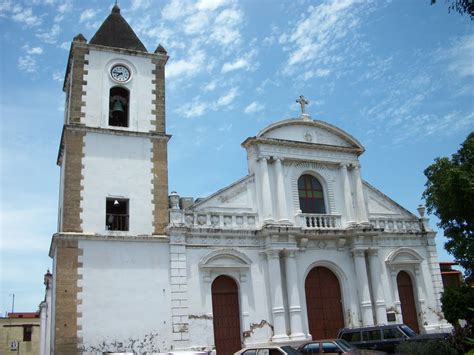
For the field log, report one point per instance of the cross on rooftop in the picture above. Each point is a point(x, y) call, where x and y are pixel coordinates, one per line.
point(303, 102)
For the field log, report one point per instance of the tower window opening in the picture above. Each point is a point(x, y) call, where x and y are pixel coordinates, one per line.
point(119, 99)
point(116, 214)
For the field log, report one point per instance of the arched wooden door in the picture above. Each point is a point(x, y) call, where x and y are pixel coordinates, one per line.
point(226, 315)
point(407, 300)
point(324, 303)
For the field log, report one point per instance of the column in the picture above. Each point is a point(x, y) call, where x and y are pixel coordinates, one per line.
point(347, 195)
point(363, 287)
point(378, 294)
point(296, 322)
point(281, 196)
point(266, 192)
point(361, 208)
point(278, 310)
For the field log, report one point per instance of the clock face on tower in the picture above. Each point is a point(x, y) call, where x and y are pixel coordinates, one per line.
point(120, 73)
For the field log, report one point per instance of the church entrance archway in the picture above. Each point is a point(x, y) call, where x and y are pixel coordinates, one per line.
point(407, 300)
point(324, 303)
point(226, 315)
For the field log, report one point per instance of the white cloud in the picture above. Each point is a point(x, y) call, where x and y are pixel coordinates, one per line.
point(176, 9)
point(27, 64)
point(228, 98)
point(187, 68)
point(34, 50)
point(210, 86)
point(65, 45)
point(246, 62)
point(23, 15)
point(58, 76)
point(140, 4)
point(50, 36)
point(254, 107)
point(210, 4)
point(322, 38)
point(196, 23)
point(225, 30)
point(195, 108)
point(87, 14)
point(462, 57)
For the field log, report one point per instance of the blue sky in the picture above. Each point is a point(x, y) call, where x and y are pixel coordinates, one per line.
point(397, 75)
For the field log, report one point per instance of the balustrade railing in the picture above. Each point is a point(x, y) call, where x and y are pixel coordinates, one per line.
point(396, 224)
point(214, 219)
point(319, 221)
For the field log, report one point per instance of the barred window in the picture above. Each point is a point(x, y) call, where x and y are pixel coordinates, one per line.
point(311, 195)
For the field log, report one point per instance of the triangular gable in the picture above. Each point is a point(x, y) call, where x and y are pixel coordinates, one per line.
point(380, 204)
point(235, 196)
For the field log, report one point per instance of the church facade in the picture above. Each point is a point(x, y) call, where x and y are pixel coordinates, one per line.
point(296, 249)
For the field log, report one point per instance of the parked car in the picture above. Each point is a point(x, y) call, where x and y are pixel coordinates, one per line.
point(384, 337)
point(328, 346)
point(269, 350)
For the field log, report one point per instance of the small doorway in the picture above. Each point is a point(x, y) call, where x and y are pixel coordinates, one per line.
point(324, 303)
point(226, 315)
point(407, 301)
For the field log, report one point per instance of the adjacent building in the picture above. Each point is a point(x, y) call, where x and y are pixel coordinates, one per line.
point(20, 333)
point(298, 248)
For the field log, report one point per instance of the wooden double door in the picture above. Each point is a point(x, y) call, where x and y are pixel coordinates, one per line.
point(323, 303)
point(226, 315)
point(407, 301)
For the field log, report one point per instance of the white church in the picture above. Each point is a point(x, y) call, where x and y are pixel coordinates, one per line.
point(296, 249)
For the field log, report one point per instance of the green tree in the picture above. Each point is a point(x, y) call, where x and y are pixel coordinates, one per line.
point(449, 194)
point(457, 302)
point(461, 6)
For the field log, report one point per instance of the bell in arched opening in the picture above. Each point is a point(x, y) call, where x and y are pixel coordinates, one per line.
point(118, 107)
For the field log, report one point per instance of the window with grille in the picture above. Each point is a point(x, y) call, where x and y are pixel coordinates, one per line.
point(310, 192)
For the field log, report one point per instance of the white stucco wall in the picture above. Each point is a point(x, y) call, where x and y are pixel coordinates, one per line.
point(117, 166)
point(125, 294)
point(99, 83)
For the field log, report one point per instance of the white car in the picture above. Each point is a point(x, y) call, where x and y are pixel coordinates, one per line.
point(269, 350)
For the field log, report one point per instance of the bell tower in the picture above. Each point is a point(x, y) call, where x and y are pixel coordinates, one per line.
point(112, 156)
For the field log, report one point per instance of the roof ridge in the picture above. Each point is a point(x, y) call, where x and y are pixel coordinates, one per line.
point(116, 32)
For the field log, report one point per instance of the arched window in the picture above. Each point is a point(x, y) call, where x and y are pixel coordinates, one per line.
point(311, 195)
point(118, 106)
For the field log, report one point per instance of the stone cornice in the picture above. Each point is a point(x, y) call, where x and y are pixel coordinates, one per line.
point(110, 238)
point(301, 145)
point(100, 130)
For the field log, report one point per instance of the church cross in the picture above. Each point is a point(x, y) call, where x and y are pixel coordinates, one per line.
point(303, 102)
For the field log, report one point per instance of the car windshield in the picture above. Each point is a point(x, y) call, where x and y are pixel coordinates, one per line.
point(344, 345)
point(292, 351)
point(408, 331)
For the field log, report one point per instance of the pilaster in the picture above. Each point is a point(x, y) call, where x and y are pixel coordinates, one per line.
point(267, 203)
point(281, 196)
point(296, 319)
point(378, 293)
point(347, 195)
point(361, 207)
point(363, 287)
point(179, 292)
point(278, 309)
point(66, 339)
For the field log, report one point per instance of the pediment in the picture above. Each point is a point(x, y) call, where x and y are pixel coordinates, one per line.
point(234, 196)
point(310, 131)
point(380, 204)
point(403, 256)
point(225, 258)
